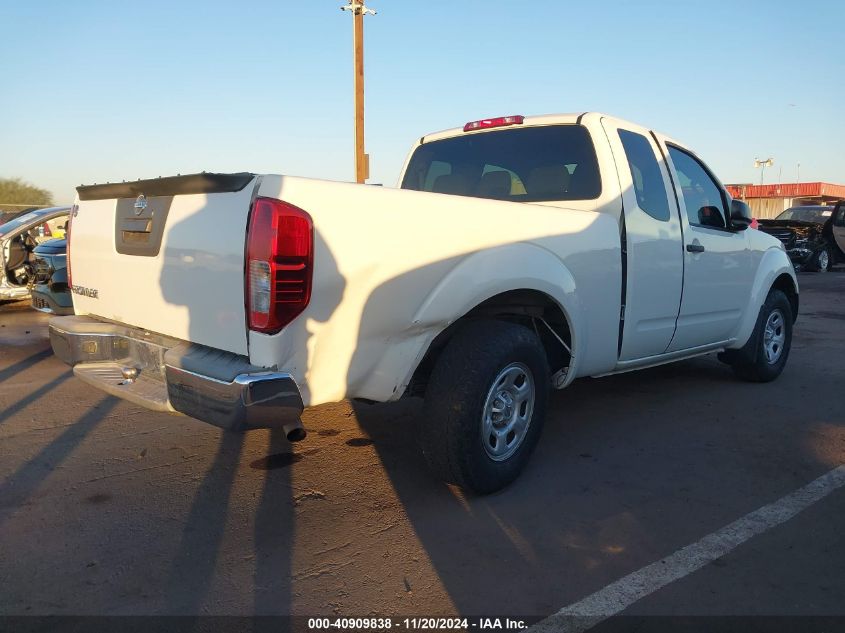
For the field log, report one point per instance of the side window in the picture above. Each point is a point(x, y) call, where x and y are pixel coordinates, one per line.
point(702, 196)
point(54, 228)
point(839, 220)
point(41, 233)
point(645, 172)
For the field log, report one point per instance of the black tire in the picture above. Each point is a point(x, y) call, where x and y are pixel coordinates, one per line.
point(751, 362)
point(821, 261)
point(451, 433)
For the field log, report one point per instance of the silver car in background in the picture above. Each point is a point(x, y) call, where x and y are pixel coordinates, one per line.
point(18, 238)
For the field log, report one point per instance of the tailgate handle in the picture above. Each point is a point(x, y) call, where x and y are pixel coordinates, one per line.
point(138, 228)
point(136, 225)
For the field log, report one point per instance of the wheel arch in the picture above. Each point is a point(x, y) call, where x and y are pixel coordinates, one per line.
point(516, 282)
point(529, 307)
point(786, 284)
point(774, 271)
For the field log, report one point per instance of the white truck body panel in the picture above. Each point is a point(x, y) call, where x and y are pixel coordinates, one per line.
point(768, 261)
point(716, 281)
point(192, 290)
point(394, 268)
point(387, 281)
point(655, 272)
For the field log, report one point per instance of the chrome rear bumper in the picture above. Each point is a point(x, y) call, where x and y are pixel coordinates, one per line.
point(166, 374)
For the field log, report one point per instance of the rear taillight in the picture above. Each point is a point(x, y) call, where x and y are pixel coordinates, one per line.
point(73, 211)
point(280, 263)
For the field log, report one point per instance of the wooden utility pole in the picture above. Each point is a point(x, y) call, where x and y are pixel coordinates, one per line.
point(362, 159)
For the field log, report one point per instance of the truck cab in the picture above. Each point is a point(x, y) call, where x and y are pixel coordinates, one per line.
point(686, 262)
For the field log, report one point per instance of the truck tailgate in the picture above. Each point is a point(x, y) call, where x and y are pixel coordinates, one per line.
point(166, 255)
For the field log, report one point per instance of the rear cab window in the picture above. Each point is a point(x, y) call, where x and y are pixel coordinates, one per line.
point(529, 164)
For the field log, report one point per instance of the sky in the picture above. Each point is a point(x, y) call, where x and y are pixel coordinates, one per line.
point(96, 91)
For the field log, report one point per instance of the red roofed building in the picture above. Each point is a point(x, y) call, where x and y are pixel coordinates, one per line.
point(767, 201)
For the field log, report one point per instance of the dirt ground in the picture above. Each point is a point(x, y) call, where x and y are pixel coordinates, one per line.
point(109, 509)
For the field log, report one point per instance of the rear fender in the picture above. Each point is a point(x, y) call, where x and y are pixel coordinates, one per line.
point(476, 278)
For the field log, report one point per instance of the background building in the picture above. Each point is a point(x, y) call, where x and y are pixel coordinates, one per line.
point(767, 201)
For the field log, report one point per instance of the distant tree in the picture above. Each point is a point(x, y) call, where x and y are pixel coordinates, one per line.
point(14, 191)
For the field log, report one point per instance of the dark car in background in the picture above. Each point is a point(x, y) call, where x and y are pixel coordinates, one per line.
point(49, 286)
point(809, 236)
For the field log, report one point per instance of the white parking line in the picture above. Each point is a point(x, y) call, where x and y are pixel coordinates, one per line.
point(619, 595)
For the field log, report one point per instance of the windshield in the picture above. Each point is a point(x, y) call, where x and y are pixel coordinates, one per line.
point(49, 223)
point(532, 164)
point(819, 215)
point(18, 222)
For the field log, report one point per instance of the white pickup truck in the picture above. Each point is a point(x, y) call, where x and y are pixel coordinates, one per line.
point(519, 254)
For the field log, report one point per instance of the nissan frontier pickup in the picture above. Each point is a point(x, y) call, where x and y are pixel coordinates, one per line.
point(517, 255)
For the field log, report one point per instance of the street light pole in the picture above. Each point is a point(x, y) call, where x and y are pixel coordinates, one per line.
point(762, 164)
point(362, 160)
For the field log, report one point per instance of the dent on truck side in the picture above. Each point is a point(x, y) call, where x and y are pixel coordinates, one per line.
point(583, 281)
point(475, 279)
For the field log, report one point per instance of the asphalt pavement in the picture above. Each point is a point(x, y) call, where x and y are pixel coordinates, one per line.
point(109, 509)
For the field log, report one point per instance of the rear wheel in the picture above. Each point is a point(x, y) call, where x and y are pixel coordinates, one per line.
point(484, 405)
point(765, 354)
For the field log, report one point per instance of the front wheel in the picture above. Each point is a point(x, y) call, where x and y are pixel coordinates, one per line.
point(768, 348)
point(821, 261)
point(484, 405)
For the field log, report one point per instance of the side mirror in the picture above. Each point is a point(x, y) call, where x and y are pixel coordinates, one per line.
point(711, 216)
point(740, 215)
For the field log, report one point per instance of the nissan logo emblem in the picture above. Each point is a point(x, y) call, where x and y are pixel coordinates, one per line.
point(140, 204)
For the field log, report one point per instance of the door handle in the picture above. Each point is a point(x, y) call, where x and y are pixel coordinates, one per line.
point(695, 248)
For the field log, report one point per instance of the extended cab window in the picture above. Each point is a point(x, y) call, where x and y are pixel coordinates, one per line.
point(531, 164)
point(645, 173)
point(702, 196)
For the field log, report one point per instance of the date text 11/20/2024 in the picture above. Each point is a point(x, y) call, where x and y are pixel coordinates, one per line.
point(420, 623)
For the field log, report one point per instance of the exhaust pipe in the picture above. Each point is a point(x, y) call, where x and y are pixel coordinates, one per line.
point(294, 431)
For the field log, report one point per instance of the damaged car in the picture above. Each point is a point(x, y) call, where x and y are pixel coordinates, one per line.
point(18, 239)
point(809, 236)
point(49, 285)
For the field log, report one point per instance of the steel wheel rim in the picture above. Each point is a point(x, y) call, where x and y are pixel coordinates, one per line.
point(824, 260)
point(774, 336)
point(507, 412)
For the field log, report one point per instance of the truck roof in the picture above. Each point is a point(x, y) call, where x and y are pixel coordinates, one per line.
point(540, 119)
